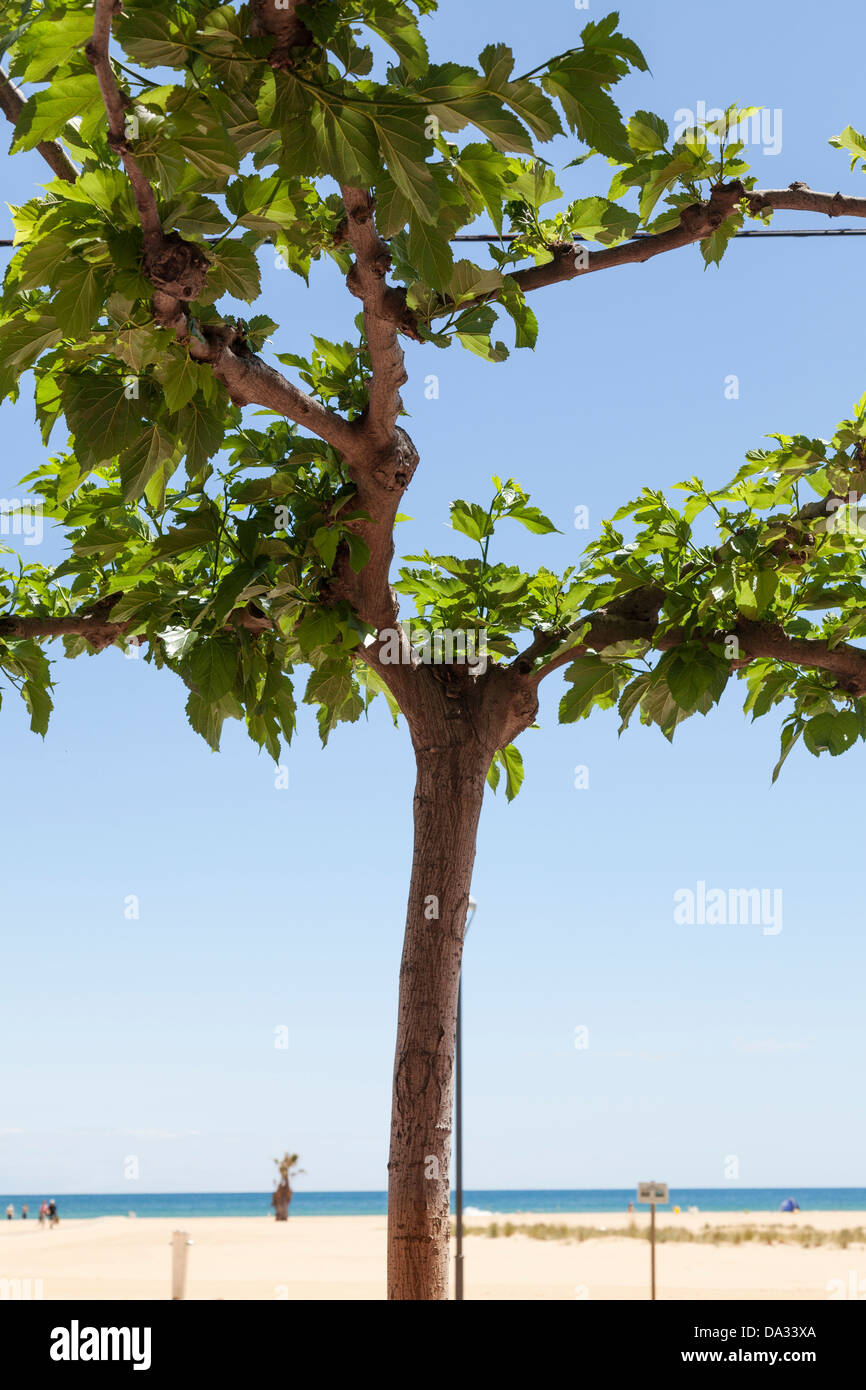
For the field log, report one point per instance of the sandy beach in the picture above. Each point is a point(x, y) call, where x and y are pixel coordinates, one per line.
point(325, 1257)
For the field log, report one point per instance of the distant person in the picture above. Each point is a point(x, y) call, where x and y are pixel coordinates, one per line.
point(43, 1213)
point(53, 1218)
point(10, 1212)
point(630, 1208)
point(25, 1212)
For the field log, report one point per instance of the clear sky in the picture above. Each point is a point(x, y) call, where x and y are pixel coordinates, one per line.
point(263, 908)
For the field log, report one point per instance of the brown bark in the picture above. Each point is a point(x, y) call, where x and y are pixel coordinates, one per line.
point(280, 1201)
point(12, 104)
point(448, 795)
point(457, 723)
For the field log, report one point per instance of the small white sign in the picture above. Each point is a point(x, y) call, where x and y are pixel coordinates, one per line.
point(653, 1192)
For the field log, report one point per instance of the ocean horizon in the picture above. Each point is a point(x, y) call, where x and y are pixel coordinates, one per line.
point(477, 1202)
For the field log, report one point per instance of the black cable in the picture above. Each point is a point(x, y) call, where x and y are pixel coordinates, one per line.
point(640, 236)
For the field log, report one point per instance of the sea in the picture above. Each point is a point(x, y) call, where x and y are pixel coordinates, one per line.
point(477, 1203)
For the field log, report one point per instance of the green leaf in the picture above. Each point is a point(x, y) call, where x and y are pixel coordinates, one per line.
point(483, 172)
point(631, 697)
point(235, 271)
point(602, 37)
point(691, 672)
point(332, 687)
point(213, 664)
point(50, 43)
point(589, 110)
point(47, 112)
point(468, 281)
point(598, 219)
point(152, 39)
point(206, 719)
point(400, 31)
point(852, 141)
point(143, 459)
point(532, 106)
point(647, 133)
point(471, 519)
point(200, 529)
point(326, 540)
point(662, 179)
point(832, 733)
point(180, 378)
point(359, 551)
point(230, 588)
point(346, 142)
point(23, 340)
point(201, 431)
point(317, 629)
point(405, 149)
point(430, 253)
point(593, 682)
point(533, 519)
point(790, 734)
point(393, 208)
point(501, 128)
point(81, 294)
point(202, 137)
point(39, 703)
point(714, 246)
point(512, 761)
point(100, 415)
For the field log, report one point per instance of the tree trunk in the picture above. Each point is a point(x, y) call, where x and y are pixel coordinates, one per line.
point(451, 769)
point(280, 1202)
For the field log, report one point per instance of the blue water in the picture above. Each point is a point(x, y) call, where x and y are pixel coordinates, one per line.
point(189, 1204)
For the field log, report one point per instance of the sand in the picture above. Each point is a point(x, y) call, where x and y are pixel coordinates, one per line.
point(339, 1257)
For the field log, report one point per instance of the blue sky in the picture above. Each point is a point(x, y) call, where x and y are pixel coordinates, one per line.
point(263, 908)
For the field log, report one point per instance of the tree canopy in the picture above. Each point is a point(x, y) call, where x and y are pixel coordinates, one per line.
point(185, 139)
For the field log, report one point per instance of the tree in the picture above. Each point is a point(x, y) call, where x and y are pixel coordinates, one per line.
point(271, 548)
point(288, 1168)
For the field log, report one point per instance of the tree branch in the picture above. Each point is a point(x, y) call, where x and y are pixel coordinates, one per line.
point(251, 381)
point(178, 269)
point(698, 221)
point(11, 104)
point(277, 17)
point(115, 105)
point(756, 639)
point(384, 308)
point(799, 197)
point(94, 623)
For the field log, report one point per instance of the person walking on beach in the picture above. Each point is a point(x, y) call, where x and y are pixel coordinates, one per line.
point(53, 1218)
point(10, 1212)
point(43, 1212)
point(25, 1212)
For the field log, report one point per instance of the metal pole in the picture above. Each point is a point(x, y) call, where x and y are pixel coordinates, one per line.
point(653, 1249)
point(458, 1103)
point(458, 1121)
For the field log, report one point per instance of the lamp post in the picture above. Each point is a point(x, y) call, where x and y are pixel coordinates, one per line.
point(458, 1123)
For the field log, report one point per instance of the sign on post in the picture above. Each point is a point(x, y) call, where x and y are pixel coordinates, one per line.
point(650, 1193)
point(653, 1192)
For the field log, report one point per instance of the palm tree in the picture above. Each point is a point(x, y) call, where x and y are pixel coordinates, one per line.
point(288, 1166)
